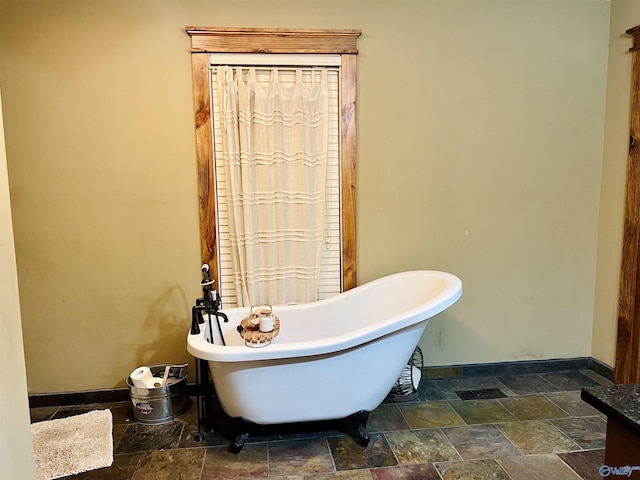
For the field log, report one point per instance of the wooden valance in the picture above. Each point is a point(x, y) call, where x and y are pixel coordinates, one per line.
point(272, 40)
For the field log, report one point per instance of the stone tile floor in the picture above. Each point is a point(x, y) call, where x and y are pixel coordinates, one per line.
point(542, 429)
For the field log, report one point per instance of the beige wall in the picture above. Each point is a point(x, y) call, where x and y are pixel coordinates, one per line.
point(480, 152)
point(16, 454)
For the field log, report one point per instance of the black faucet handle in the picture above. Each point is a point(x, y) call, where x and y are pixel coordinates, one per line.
point(206, 277)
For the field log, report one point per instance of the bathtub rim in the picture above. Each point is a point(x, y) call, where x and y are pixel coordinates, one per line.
point(452, 291)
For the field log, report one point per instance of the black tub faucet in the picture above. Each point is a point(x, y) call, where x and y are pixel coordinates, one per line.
point(209, 303)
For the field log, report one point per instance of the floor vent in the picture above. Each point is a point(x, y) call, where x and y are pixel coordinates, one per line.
point(482, 394)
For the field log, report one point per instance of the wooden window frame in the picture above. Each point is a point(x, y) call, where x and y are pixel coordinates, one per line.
point(627, 366)
point(206, 40)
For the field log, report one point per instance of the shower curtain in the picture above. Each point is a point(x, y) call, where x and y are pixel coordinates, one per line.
point(275, 139)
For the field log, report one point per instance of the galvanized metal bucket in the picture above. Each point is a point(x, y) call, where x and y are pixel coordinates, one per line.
point(158, 405)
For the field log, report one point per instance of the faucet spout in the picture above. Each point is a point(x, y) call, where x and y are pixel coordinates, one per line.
point(196, 320)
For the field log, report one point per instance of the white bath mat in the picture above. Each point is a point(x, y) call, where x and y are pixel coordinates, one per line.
point(72, 445)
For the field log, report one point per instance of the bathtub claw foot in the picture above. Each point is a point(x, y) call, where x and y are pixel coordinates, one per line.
point(236, 445)
point(362, 437)
point(358, 421)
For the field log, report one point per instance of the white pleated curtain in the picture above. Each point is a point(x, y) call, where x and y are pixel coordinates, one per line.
point(274, 143)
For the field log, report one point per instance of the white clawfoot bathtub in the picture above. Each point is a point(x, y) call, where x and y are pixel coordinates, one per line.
point(332, 358)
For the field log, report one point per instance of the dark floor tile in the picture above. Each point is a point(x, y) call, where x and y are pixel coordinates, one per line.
point(586, 464)
point(300, 457)
point(597, 377)
point(270, 438)
point(524, 384)
point(430, 414)
point(421, 446)
point(40, 414)
point(314, 434)
point(118, 432)
point(345, 475)
point(406, 472)
point(251, 462)
point(571, 403)
point(70, 411)
point(348, 455)
point(480, 441)
point(122, 468)
point(534, 467)
point(430, 390)
point(122, 413)
point(139, 438)
point(386, 418)
point(571, 380)
point(472, 469)
point(537, 436)
point(588, 432)
point(481, 411)
point(442, 372)
point(190, 414)
point(176, 464)
point(189, 432)
point(532, 407)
